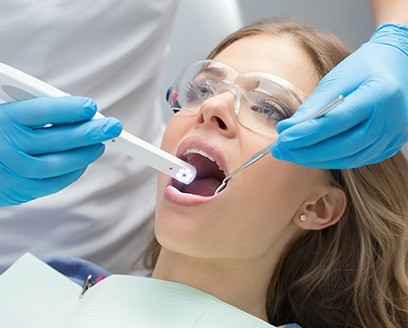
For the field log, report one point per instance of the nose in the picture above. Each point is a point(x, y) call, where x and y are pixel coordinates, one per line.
point(218, 113)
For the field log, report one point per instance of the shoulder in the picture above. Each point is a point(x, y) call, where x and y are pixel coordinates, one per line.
point(76, 269)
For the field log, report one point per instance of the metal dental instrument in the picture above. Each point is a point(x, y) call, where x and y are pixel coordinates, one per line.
point(17, 85)
point(267, 149)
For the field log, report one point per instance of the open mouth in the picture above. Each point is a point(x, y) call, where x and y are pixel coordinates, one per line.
point(209, 174)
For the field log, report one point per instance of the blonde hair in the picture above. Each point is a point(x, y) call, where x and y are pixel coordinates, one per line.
point(352, 274)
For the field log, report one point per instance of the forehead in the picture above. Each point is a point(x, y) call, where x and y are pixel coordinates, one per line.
point(276, 55)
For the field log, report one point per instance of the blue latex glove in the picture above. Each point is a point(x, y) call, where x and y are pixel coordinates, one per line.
point(34, 161)
point(370, 125)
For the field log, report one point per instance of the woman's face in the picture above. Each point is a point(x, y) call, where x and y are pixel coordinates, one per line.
point(254, 216)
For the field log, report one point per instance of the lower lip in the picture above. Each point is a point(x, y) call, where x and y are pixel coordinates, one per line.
point(173, 195)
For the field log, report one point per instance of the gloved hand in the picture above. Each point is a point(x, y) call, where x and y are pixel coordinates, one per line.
point(36, 161)
point(372, 122)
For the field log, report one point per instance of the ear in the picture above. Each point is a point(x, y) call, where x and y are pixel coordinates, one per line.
point(323, 211)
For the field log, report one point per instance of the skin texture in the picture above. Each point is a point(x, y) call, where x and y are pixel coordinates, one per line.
point(228, 246)
point(392, 11)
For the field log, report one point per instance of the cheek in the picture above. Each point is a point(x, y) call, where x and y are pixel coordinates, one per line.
point(172, 135)
point(275, 188)
point(261, 204)
point(267, 196)
point(271, 180)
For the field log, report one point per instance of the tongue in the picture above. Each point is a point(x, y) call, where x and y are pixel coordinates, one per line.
point(203, 187)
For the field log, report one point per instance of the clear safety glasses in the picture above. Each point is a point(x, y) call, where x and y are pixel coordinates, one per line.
point(260, 100)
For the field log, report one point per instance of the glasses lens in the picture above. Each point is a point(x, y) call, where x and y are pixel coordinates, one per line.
point(264, 99)
point(197, 83)
point(267, 102)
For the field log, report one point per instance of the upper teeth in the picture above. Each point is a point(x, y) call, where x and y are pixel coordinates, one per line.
point(189, 153)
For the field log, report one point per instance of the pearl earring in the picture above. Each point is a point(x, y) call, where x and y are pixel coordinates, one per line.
point(303, 218)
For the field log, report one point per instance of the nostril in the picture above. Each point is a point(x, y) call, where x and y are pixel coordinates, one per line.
point(221, 123)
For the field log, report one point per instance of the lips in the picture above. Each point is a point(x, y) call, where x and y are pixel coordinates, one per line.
point(211, 170)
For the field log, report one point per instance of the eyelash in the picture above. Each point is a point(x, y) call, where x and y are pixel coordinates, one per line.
point(193, 90)
point(277, 109)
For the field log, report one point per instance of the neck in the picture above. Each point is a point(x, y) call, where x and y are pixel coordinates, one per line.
point(237, 282)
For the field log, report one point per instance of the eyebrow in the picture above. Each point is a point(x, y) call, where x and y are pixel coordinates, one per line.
point(217, 73)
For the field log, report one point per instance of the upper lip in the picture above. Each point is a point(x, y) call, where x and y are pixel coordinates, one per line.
point(204, 145)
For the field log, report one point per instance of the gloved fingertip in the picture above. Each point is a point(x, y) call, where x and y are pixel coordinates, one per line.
point(280, 127)
point(100, 151)
point(276, 152)
point(93, 153)
point(283, 125)
point(90, 107)
point(114, 128)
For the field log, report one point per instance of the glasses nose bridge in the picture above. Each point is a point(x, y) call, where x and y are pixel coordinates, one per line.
point(239, 84)
point(236, 93)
